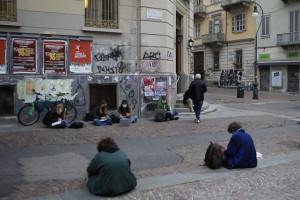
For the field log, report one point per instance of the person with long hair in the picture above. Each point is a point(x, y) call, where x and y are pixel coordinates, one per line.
point(125, 111)
point(109, 171)
point(56, 117)
point(101, 115)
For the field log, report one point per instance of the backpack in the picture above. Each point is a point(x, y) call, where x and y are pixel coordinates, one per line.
point(88, 117)
point(115, 119)
point(213, 156)
point(160, 117)
point(76, 125)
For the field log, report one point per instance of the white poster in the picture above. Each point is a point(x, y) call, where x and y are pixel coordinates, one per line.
point(276, 78)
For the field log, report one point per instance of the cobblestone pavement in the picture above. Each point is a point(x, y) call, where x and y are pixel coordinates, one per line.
point(277, 182)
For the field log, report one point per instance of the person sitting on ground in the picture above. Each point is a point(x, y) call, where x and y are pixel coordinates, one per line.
point(101, 115)
point(56, 115)
point(164, 105)
point(109, 171)
point(125, 111)
point(240, 152)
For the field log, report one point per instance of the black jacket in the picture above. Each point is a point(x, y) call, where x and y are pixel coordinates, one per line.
point(51, 117)
point(197, 89)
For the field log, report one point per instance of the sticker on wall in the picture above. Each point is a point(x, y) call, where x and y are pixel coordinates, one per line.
point(80, 57)
point(149, 86)
point(54, 57)
point(3, 65)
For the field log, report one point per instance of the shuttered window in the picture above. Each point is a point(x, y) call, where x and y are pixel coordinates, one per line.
point(102, 14)
point(265, 26)
point(239, 23)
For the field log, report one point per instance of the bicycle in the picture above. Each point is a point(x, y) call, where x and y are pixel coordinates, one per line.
point(30, 113)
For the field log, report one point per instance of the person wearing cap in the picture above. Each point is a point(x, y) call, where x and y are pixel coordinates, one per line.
point(197, 89)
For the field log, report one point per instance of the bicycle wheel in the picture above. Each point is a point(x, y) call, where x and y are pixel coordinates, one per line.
point(28, 115)
point(71, 112)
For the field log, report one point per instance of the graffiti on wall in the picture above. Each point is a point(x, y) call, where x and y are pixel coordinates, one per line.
point(128, 90)
point(169, 56)
point(43, 86)
point(230, 78)
point(151, 62)
point(112, 61)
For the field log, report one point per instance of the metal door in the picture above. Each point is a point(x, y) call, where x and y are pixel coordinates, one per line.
point(264, 72)
point(293, 79)
point(7, 101)
point(103, 92)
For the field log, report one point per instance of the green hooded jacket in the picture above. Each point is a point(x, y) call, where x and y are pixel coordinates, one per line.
point(110, 174)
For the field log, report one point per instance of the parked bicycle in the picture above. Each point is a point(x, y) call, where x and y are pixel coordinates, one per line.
point(30, 113)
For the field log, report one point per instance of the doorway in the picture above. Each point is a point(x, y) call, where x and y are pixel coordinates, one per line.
point(199, 64)
point(107, 92)
point(178, 50)
point(293, 79)
point(264, 75)
point(7, 101)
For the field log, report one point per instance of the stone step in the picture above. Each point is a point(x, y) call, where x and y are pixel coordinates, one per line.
point(210, 109)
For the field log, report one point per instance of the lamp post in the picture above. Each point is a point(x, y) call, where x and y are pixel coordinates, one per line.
point(255, 85)
point(191, 45)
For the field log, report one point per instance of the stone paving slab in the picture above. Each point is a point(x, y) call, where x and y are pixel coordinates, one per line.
point(179, 179)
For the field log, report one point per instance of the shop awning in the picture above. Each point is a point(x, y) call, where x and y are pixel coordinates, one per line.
point(278, 62)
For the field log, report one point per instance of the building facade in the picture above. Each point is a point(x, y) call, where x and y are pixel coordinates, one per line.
point(98, 49)
point(279, 45)
point(224, 41)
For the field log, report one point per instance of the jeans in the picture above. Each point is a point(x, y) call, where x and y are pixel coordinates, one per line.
point(133, 119)
point(102, 122)
point(170, 115)
point(197, 108)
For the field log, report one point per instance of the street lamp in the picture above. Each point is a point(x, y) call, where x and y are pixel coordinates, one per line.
point(254, 14)
point(191, 43)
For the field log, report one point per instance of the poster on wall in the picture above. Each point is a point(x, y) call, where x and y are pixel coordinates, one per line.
point(80, 57)
point(54, 57)
point(149, 86)
point(24, 55)
point(3, 65)
point(161, 86)
point(276, 78)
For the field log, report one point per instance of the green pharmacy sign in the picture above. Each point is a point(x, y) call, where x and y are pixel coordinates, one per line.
point(264, 57)
point(293, 55)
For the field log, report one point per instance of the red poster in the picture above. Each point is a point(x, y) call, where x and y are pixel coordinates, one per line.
point(80, 52)
point(54, 57)
point(2, 51)
point(149, 86)
point(24, 55)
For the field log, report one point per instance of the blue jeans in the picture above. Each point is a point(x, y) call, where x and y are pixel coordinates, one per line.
point(101, 122)
point(133, 119)
point(170, 115)
point(197, 108)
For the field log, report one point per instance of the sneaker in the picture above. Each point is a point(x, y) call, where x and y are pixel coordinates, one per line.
point(176, 118)
point(198, 121)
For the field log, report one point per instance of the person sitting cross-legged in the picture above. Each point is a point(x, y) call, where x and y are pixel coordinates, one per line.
point(169, 113)
point(101, 114)
point(125, 111)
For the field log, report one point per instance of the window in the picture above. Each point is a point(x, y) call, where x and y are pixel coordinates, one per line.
point(101, 14)
point(216, 60)
point(238, 59)
point(214, 26)
point(8, 11)
point(197, 31)
point(198, 2)
point(295, 25)
point(265, 26)
point(239, 23)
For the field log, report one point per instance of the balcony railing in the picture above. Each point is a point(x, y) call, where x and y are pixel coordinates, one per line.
point(229, 3)
point(200, 10)
point(213, 38)
point(288, 39)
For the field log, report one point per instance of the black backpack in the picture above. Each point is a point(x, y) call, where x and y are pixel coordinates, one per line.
point(115, 119)
point(76, 125)
point(160, 117)
point(88, 117)
point(213, 156)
